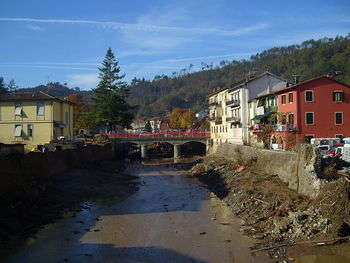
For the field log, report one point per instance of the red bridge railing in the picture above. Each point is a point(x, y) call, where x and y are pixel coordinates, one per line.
point(159, 134)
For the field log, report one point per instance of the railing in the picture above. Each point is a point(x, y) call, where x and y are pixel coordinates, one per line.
point(274, 127)
point(136, 135)
point(233, 103)
point(233, 119)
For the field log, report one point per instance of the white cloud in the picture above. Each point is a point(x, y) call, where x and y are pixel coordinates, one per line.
point(145, 27)
point(84, 81)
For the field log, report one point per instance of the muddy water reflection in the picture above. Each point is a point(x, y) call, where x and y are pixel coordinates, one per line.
point(170, 219)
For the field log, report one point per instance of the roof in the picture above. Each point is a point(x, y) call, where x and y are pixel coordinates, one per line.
point(240, 83)
point(307, 81)
point(30, 96)
point(236, 85)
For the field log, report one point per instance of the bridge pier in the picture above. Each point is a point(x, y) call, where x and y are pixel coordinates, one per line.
point(177, 151)
point(143, 151)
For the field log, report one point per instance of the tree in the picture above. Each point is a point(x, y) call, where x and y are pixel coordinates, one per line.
point(110, 106)
point(81, 113)
point(182, 119)
point(3, 88)
point(12, 87)
point(148, 127)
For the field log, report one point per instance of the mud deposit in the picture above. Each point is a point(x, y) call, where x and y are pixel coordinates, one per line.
point(171, 218)
point(59, 196)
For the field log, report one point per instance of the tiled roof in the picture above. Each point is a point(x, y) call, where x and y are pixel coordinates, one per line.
point(309, 80)
point(30, 96)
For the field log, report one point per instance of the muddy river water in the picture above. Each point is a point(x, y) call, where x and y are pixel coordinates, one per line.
point(172, 218)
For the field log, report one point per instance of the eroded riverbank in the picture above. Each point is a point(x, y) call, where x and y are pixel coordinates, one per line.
point(172, 218)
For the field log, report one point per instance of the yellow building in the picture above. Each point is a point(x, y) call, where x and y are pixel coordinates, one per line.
point(34, 118)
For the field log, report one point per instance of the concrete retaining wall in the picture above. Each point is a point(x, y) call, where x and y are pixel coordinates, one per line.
point(297, 169)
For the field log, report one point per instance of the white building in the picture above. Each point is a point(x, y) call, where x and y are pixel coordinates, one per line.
point(231, 110)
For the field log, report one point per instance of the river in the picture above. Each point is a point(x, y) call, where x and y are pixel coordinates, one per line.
point(172, 218)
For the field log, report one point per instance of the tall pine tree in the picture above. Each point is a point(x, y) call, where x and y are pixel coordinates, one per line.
point(110, 107)
point(3, 88)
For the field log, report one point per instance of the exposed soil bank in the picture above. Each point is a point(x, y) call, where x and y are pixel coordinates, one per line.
point(171, 218)
point(274, 214)
point(52, 197)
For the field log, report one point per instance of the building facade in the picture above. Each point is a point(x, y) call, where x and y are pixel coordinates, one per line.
point(316, 108)
point(34, 118)
point(233, 110)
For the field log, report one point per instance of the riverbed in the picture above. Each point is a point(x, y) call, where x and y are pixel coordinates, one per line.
point(172, 218)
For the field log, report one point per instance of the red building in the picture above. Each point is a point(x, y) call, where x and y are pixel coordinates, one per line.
point(316, 108)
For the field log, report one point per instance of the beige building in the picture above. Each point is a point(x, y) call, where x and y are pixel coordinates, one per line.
point(233, 109)
point(34, 118)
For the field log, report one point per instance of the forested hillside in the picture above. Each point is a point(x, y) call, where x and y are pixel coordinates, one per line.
point(189, 90)
point(57, 89)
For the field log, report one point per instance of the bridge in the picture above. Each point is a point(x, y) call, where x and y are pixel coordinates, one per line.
point(176, 138)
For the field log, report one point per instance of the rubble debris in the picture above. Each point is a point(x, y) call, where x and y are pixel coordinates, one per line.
point(273, 213)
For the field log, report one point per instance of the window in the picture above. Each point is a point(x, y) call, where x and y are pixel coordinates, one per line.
point(290, 97)
point(30, 130)
point(338, 118)
point(284, 99)
point(291, 119)
point(309, 118)
point(338, 96)
point(309, 96)
point(40, 108)
point(18, 130)
point(18, 109)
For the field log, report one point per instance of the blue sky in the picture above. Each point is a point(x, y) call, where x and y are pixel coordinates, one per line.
point(66, 40)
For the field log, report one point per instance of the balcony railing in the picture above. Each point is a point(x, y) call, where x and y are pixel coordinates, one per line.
point(274, 127)
point(233, 103)
point(233, 119)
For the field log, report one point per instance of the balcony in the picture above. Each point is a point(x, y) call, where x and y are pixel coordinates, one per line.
point(233, 119)
point(218, 120)
point(233, 103)
point(214, 103)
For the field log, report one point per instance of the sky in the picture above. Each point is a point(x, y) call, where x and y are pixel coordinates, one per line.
point(66, 40)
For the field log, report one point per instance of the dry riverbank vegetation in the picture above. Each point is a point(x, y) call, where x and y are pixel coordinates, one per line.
point(271, 212)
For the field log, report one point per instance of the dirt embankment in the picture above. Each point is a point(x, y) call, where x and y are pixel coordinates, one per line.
point(270, 211)
point(45, 199)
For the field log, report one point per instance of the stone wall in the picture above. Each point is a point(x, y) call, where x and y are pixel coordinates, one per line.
point(297, 169)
